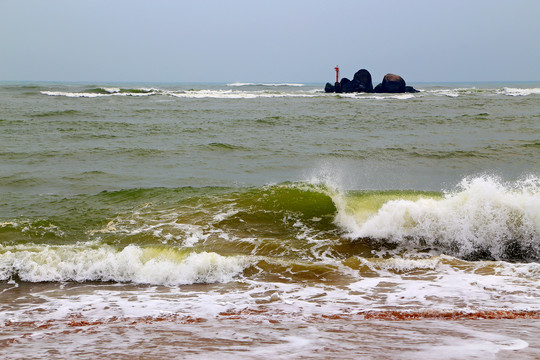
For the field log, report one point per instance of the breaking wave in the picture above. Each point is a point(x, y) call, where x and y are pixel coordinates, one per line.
point(483, 219)
point(293, 230)
point(520, 92)
point(265, 84)
point(103, 92)
point(43, 263)
point(241, 90)
point(190, 93)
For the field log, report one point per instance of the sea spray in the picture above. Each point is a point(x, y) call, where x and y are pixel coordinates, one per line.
point(483, 218)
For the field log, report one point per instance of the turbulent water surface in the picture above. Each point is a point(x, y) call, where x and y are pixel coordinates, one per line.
point(269, 220)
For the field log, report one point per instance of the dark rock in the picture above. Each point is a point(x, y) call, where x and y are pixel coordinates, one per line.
point(410, 89)
point(329, 88)
point(337, 86)
point(343, 84)
point(364, 79)
point(351, 86)
point(393, 84)
point(362, 88)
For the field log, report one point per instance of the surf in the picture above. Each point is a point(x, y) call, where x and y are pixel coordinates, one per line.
point(483, 218)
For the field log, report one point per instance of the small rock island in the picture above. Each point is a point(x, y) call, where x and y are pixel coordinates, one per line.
point(362, 82)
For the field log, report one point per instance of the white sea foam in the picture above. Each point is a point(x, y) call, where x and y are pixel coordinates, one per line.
point(133, 264)
point(33, 229)
point(445, 92)
point(472, 344)
point(275, 90)
point(437, 284)
point(265, 84)
point(107, 93)
point(456, 92)
point(509, 91)
point(236, 94)
point(192, 94)
point(163, 225)
point(520, 91)
point(483, 214)
point(73, 94)
point(369, 96)
point(111, 90)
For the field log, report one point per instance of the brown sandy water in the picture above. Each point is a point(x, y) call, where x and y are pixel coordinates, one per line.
point(255, 336)
point(126, 321)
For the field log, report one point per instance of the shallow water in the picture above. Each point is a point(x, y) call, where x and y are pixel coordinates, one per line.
point(249, 338)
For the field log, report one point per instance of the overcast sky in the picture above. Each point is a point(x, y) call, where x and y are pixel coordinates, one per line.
point(268, 41)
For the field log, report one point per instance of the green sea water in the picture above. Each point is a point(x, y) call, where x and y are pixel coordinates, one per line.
point(275, 200)
point(78, 156)
point(74, 139)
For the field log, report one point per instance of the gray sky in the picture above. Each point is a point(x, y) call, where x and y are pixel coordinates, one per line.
point(268, 41)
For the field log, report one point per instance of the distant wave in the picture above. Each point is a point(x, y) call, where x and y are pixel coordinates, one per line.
point(237, 94)
point(191, 93)
point(265, 84)
point(371, 96)
point(58, 113)
point(520, 92)
point(283, 90)
point(104, 91)
point(508, 91)
point(448, 92)
point(455, 92)
point(224, 146)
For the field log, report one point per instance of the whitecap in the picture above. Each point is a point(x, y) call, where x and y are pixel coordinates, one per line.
point(38, 263)
point(369, 96)
point(519, 91)
point(265, 84)
point(73, 94)
point(235, 94)
point(108, 92)
point(482, 215)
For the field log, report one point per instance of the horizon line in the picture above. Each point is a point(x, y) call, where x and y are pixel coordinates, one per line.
point(250, 82)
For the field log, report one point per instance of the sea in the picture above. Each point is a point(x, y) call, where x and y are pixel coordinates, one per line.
point(269, 221)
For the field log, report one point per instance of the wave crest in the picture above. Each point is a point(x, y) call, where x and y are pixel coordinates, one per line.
point(134, 264)
point(520, 91)
point(483, 219)
point(104, 92)
point(265, 84)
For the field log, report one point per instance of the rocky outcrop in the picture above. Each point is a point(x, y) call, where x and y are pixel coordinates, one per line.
point(362, 82)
